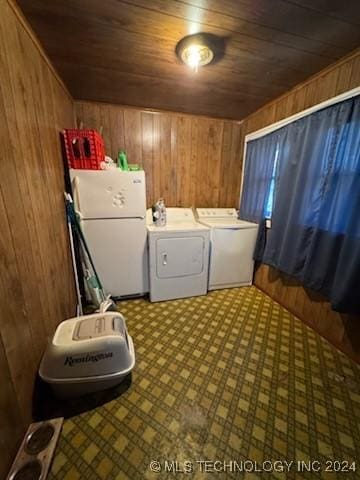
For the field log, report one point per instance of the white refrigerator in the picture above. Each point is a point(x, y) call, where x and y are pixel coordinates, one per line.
point(112, 208)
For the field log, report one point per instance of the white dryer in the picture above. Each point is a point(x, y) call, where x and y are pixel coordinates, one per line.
point(232, 244)
point(178, 256)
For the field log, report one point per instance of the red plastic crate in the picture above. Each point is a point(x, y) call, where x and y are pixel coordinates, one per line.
point(84, 149)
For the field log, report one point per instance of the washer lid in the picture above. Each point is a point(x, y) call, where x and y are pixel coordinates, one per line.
point(230, 224)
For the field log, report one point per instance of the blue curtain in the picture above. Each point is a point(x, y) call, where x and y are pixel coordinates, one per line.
point(315, 233)
point(258, 174)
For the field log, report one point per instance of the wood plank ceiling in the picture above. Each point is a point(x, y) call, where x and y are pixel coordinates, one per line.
point(123, 51)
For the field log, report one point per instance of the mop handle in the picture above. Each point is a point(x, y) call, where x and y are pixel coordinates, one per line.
point(76, 223)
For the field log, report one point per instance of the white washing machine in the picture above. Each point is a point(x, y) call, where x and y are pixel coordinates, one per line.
point(178, 256)
point(232, 244)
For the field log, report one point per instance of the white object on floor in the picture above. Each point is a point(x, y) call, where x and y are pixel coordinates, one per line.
point(178, 256)
point(112, 208)
point(88, 354)
point(232, 247)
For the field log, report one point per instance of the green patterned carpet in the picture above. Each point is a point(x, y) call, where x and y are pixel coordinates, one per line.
point(231, 376)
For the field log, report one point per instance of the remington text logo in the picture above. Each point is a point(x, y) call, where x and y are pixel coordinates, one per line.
point(71, 361)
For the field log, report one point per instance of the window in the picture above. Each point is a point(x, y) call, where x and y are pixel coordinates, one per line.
point(259, 177)
point(271, 195)
point(312, 196)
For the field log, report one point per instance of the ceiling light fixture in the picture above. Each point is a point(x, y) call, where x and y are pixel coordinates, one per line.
point(196, 50)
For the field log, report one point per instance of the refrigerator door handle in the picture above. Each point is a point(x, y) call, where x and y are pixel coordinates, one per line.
point(76, 191)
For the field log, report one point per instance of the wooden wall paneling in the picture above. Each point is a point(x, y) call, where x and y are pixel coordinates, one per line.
point(236, 166)
point(47, 146)
point(16, 194)
point(280, 108)
point(11, 425)
point(64, 117)
point(201, 176)
point(204, 178)
point(188, 159)
point(165, 159)
point(174, 167)
point(300, 300)
point(231, 165)
point(310, 94)
point(184, 170)
point(60, 261)
point(16, 333)
point(216, 131)
point(156, 160)
point(208, 162)
point(132, 124)
point(117, 132)
point(298, 101)
point(325, 85)
point(283, 107)
point(330, 322)
point(344, 77)
point(36, 277)
point(226, 172)
point(205, 168)
point(35, 142)
point(92, 116)
point(147, 151)
point(274, 278)
point(310, 307)
point(60, 118)
point(290, 295)
point(169, 179)
point(106, 126)
point(79, 115)
point(342, 330)
point(193, 183)
point(200, 172)
point(355, 71)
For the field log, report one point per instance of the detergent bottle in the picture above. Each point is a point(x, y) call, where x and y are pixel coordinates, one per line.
point(122, 162)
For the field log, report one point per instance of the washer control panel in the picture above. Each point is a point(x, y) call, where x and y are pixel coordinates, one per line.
point(217, 213)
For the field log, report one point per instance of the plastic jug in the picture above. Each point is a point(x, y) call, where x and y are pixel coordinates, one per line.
point(159, 213)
